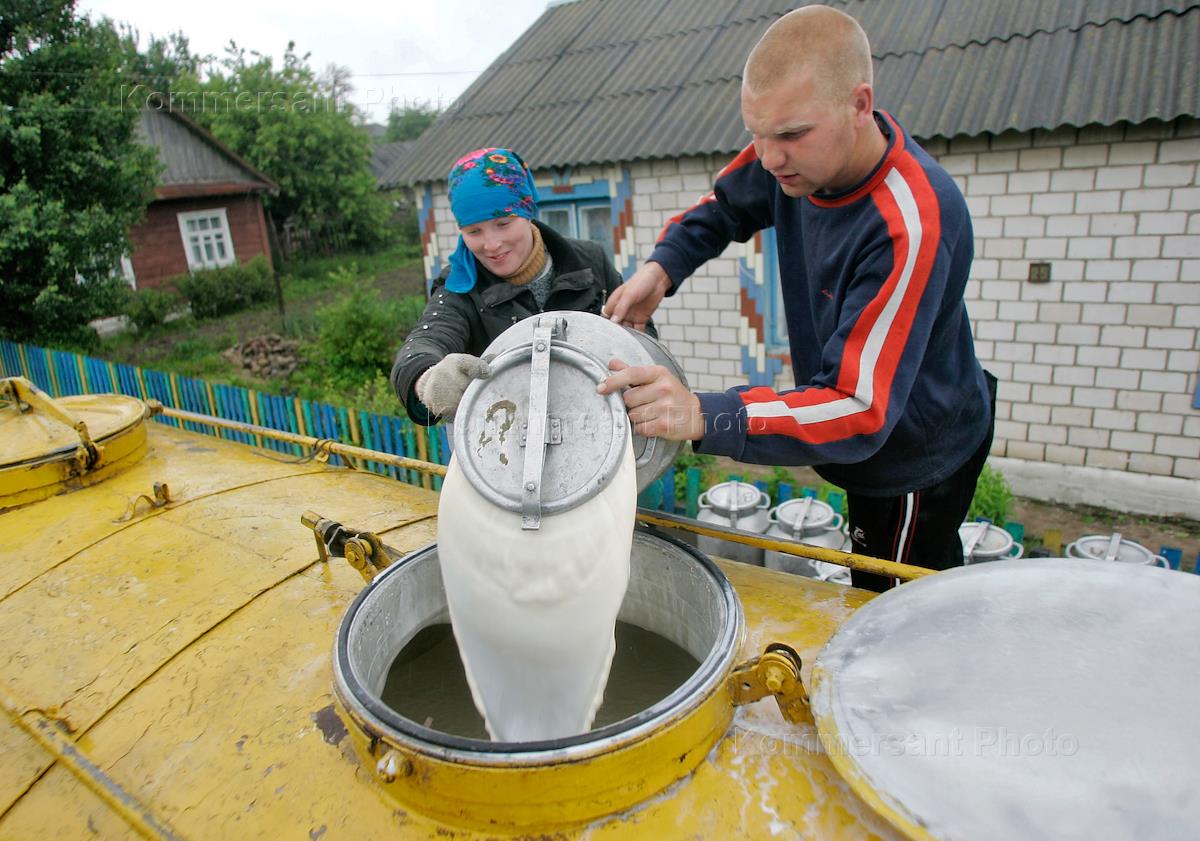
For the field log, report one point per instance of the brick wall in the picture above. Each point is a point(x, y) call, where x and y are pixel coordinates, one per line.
point(1098, 367)
point(158, 246)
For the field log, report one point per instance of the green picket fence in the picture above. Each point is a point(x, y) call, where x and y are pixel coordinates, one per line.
point(62, 373)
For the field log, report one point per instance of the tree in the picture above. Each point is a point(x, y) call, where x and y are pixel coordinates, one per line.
point(298, 129)
point(161, 67)
point(73, 177)
point(408, 122)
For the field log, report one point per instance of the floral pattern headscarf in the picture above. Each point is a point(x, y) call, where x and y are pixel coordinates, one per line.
point(486, 184)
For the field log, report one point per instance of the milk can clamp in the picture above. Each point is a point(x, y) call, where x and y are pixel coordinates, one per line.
point(535, 438)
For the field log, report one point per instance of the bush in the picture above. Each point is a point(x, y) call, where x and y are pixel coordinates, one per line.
point(686, 459)
point(409, 311)
point(993, 498)
point(356, 339)
point(379, 397)
point(780, 475)
point(148, 308)
point(217, 292)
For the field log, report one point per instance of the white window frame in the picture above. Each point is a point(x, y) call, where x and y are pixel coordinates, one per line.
point(574, 209)
point(127, 271)
point(186, 237)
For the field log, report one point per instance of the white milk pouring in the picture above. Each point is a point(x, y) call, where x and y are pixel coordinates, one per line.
point(534, 611)
point(536, 521)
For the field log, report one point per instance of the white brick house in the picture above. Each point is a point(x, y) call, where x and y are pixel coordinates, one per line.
point(1098, 365)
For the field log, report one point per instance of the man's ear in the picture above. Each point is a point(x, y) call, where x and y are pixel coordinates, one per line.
point(862, 100)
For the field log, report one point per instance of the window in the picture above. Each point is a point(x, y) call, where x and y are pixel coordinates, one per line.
point(580, 219)
point(206, 239)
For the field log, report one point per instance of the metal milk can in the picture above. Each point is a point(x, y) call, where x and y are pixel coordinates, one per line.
point(810, 521)
point(737, 505)
point(987, 542)
point(1112, 547)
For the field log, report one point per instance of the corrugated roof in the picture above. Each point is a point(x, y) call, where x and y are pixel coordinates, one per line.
point(615, 80)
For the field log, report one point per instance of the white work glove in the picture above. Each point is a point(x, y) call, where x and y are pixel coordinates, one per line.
point(442, 386)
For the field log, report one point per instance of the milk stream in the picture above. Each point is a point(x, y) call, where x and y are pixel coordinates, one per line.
point(533, 611)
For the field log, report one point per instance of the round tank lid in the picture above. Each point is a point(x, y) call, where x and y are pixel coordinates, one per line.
point(48, 446)
point(988, 699)
point(28, 432)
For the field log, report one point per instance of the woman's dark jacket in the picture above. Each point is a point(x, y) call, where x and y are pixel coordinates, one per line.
point(466, 322)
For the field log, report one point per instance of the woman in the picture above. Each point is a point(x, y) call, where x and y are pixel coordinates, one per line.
point(507, 267)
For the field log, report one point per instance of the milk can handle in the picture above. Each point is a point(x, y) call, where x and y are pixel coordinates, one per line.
point(702, 500)
point(764, 501)
point(647, 454)
point(838, 522)
point(1161, 561)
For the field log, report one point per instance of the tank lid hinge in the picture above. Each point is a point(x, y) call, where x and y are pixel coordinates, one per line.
point(776, 672)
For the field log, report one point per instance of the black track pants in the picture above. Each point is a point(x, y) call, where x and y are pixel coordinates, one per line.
point(919, 527)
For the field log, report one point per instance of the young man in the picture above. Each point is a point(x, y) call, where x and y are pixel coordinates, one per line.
point(875, 244)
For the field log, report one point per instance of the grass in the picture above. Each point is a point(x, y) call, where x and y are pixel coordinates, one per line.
point(303, 277)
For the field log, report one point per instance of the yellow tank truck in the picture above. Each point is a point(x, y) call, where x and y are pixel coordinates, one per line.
point(195, 635)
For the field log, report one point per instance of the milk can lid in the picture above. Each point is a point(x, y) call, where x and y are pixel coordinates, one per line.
point(727, 497)
point(605, 340)
point(992, 542)
point(1098, 546)
point(583, 432)
point(807, 515)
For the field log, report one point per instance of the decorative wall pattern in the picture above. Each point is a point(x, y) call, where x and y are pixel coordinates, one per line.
point(754, 302)
point(431, 254)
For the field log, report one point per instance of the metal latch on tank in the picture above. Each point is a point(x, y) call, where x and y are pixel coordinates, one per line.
point(539, 429)
point(162, 496)
point(28, 397)
point(363, 550)
point(776, 672)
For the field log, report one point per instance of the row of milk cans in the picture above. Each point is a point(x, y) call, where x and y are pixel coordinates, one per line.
point(806, 520)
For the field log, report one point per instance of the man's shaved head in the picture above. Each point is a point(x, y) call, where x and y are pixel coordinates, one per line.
point(826, 41)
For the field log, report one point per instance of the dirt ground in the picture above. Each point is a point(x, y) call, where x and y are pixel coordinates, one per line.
point(1070, 521)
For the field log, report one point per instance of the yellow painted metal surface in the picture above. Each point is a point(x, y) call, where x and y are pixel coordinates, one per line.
point(492, 798)
point(187, 651)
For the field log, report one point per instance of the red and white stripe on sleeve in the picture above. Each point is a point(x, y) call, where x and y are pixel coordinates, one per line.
point(858, 404)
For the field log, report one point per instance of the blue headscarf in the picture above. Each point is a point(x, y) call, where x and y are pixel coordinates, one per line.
point(486, 184)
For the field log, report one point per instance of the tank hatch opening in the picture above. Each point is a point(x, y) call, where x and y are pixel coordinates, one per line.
point(48, 446)
point(402, 691)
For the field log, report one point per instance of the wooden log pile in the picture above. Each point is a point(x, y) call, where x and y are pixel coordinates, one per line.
point(268, 356)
